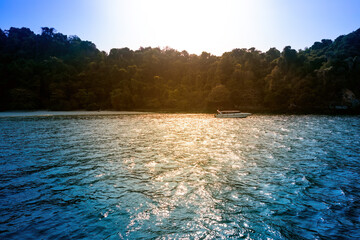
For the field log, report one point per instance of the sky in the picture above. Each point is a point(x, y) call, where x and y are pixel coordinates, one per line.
point(214, 26)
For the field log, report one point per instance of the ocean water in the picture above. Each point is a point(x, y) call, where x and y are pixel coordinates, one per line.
point(180, 176)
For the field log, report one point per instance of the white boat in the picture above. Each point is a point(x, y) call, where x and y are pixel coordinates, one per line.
point(231, 114)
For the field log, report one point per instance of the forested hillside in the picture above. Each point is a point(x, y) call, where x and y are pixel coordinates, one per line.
point(58, 72)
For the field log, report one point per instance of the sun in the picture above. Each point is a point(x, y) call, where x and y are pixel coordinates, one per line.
point(190, 25)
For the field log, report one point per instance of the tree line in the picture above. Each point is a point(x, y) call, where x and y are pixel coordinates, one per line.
point(58, 72)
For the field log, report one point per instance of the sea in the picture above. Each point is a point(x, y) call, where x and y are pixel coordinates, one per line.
point(179, 176)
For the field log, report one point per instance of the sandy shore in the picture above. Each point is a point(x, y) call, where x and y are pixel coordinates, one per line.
point(66, 113)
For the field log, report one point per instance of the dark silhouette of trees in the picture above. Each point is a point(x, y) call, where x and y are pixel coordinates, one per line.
point(54, 71)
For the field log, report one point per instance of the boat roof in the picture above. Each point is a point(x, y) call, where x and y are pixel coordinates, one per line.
point(229, 111)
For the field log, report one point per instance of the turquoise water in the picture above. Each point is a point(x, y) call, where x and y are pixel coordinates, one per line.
point(180, 176)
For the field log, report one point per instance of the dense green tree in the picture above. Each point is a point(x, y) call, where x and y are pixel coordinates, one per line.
point(53, 71)
point(219, 97)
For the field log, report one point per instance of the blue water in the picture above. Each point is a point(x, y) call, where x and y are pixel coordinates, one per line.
point(178, 176)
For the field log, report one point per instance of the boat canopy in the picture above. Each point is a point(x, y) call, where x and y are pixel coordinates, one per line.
point(228, 111)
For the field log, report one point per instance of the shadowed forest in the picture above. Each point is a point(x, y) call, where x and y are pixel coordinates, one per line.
point(58, 72)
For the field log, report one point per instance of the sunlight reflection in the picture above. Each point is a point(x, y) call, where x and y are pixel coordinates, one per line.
point(246, 178)
point(183, 177)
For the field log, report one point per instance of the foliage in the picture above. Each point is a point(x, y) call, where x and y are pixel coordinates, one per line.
point(54, 71)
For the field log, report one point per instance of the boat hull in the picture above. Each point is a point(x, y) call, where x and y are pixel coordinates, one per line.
point(232, 115)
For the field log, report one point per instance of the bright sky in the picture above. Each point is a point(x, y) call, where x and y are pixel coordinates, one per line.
point(215, 26)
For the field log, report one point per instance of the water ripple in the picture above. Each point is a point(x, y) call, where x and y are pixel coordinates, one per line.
point(172, 176)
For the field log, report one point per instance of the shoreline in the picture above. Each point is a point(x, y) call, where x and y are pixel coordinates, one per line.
point(49, 113)
point(45, 113)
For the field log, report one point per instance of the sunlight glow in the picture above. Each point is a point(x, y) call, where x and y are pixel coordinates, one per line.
point(194, 26)
point(215, 26)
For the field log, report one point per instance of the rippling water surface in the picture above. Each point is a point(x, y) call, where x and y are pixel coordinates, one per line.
point(172, 176)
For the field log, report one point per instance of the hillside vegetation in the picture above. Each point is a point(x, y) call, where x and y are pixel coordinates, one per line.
point(58, 72)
